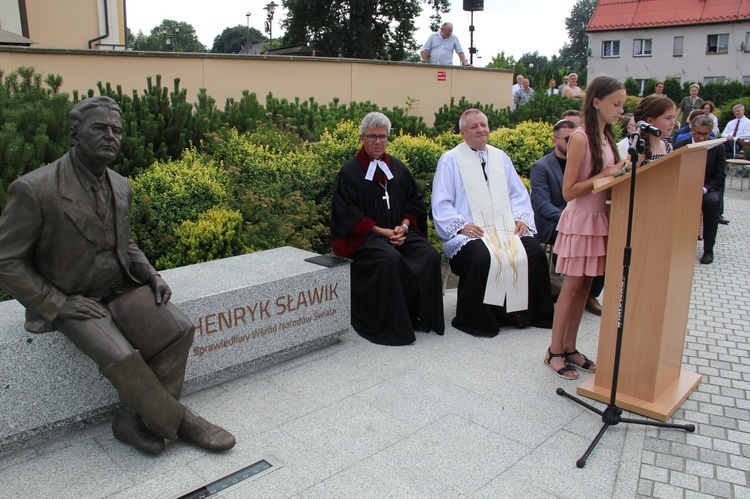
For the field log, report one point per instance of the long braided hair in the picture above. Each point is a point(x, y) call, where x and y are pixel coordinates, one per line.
point(599, 88)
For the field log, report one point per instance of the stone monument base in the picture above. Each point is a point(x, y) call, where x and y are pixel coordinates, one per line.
point(250, 311)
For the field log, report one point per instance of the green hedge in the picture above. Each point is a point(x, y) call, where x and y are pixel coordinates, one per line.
point(210, 183)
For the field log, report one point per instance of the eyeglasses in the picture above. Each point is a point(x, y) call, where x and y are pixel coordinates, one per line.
point(566, 139)
point(375, 138)
point(699, 134)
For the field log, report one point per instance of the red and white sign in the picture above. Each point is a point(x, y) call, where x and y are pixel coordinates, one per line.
point(442, 75)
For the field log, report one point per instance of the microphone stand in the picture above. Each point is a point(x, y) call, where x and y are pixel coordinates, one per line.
point(612, 415)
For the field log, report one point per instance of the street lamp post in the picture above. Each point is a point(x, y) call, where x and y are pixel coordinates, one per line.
point(271, 8)
point(247, 42)
point(169, 33)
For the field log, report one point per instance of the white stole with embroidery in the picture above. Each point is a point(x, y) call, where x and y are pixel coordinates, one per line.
point(490, 209)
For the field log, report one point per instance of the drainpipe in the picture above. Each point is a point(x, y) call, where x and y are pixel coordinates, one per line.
point(125, 24)
point(106, 26)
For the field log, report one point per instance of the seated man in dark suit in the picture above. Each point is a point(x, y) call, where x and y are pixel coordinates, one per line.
point(66, 253)
point(682, 132)
point(714, 181)
point(548, 201)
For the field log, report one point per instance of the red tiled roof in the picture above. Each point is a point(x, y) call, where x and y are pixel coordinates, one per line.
point(625, 14)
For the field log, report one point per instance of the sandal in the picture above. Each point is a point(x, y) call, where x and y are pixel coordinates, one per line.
point(586, 366)
point(564, 371)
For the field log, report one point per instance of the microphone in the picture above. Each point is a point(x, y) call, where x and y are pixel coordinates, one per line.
point(646, 128)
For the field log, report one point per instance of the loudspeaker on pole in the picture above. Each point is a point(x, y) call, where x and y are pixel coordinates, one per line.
point(473, 5)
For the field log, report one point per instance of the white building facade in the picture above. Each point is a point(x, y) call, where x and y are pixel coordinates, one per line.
point(702, 53)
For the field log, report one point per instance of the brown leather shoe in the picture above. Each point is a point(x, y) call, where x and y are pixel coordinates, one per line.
point(201, 433)
point(134, 431)
point(593, 305)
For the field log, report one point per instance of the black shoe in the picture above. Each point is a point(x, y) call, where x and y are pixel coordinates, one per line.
point(134, 431)
point(722, 220)
point(707, 258)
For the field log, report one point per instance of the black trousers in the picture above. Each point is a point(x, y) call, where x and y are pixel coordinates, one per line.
point(711, 207)
point(473, 316)
point(396, 290)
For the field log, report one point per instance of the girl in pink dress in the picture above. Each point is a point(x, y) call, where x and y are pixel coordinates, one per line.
point(581, 245)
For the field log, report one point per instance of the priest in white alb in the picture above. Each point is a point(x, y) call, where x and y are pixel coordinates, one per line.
point(379, 220)
point(483, 213)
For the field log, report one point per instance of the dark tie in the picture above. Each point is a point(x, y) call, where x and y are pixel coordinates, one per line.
point(102, 197)
point(736, 127)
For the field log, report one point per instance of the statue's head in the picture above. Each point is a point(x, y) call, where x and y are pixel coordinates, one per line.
point(96, 130)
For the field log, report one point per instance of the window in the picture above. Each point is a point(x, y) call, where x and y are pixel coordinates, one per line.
point(641, 85)
point(718, 44)
point(746, 80)
point(611, 48)
point(713, 79)
point(642, 47)
point(747, 42)
point(677, 48)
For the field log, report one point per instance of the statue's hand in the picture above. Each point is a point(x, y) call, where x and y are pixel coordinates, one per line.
point(80, 307)
point(161, 289)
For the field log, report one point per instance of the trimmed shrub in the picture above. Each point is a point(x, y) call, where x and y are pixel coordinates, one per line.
point(446, 118)
point(337, 145)
point(216, 234)
point(525, 144)
point(279, 216)
point(421, 155)
point(448, 140)
point(632, 87)
point(168, 194)
point(631, 102)
point(672, 89)
point(33, 124)
point(545, 108)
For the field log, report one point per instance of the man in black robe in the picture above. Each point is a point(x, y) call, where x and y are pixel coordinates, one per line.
point(379, 220)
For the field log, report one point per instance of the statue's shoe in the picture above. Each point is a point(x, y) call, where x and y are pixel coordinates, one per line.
point(201, 433)
point(134, 431)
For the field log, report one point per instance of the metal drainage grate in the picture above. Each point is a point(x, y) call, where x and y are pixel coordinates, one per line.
point(243, 475)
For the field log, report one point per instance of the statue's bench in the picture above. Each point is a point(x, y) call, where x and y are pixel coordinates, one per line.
point(250, 311)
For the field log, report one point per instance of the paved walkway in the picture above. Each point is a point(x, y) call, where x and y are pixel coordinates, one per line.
point(451, 416)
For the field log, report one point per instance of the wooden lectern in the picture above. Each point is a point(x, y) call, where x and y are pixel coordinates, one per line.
point(664, 234)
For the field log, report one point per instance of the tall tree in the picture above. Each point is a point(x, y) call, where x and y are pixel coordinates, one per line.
point(233, 39)
point(169, 35)
point(366, 29)
point(575, 53)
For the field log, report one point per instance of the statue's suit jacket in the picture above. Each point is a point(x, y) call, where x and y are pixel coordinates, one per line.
point(546, 195)
point(46, 251)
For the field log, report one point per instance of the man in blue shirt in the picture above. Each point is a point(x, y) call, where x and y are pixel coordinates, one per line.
point(440, 46)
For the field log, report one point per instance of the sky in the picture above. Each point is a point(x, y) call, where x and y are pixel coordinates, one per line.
point(513, 26)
